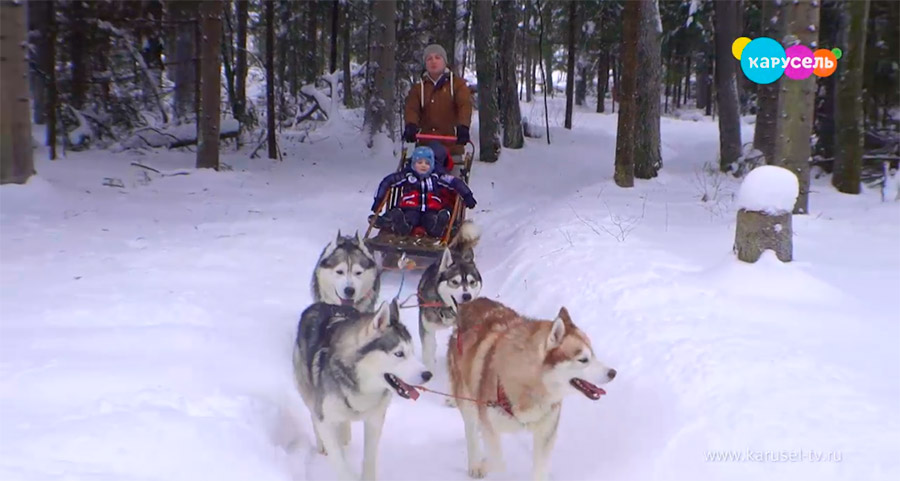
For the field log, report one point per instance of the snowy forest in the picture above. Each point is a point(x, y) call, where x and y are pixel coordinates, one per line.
point(184, 181)
point(132, 74)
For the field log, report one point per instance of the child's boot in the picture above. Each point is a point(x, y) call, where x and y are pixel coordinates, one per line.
point(398, 222)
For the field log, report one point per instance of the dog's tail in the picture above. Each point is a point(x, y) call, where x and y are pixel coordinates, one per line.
point(466, 238)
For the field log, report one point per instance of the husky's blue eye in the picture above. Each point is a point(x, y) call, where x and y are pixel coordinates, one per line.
point(399, 354)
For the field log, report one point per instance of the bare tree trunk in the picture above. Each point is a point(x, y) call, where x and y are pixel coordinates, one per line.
point(726, 30)
point(381, 103)
point(184, 13)
point(211, 84)
point(240, 67)
point(16, 157)
point(668, 78)
point(312, 27)
point(335, 15)
point(462, 43)
point(486, 69)
point(848, 108)
point(270, 78)
point(39, 37)
point(625, 134)
point(602, 80)
point(647, 149)
point(513, 137)
point(614, 98)
point(345, 57)
point(687, 79)
point(78, 54)
point(796, 101)
point(570, 67)
point(528, 53)
point(547, 50)
point(52, 90)
point(708, 78)
point(765, 133)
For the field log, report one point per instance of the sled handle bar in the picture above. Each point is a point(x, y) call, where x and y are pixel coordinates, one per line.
point(446, 138)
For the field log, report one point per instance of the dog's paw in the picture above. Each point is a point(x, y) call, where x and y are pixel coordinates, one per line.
point(450, 402)
point(477, 471)
point(321, 450)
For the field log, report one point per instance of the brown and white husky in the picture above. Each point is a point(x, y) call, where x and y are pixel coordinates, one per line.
point(516, 372)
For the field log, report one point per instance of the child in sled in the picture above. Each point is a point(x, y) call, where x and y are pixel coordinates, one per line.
point(425, 196)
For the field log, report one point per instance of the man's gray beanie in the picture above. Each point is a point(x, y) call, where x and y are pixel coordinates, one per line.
point(434, 49)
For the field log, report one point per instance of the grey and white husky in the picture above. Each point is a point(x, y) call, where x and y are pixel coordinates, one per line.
point(347, 274)
point(445, 285)
point(347, 366)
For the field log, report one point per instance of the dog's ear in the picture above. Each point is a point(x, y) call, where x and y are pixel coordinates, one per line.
point(364, 248)
point(395, 311)
point(557, 332)
point(337, 240)
point(446, 260)
point(381, 319)
point(566, 318)
point(328, 250)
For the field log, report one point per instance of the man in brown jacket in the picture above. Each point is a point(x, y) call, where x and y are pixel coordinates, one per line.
point(439, 104)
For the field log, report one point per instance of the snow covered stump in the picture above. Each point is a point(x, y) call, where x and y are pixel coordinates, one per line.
point(765, 202)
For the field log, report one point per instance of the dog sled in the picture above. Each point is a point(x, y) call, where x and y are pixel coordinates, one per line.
point(417, 244)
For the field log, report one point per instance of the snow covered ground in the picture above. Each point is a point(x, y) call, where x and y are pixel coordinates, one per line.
point(146, 330)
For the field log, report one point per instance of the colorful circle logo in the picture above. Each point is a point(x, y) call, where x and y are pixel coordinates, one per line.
point(826, 62)
point(800, 63)
point(738, 46)
point(763, 60)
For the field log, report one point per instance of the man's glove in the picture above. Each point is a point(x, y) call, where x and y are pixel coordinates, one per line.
point(462, 135)
point(470, 201)
point(409, 133)
point(375, 205)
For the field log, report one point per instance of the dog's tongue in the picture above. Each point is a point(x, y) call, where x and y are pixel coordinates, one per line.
point(590, 390)
point(346, 302)
point(413, 393)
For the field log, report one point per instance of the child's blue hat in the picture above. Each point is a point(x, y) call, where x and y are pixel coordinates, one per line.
point(420, 153)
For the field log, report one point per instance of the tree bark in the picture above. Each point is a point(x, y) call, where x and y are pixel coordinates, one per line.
point(270, 78)
point(513, 137)
point(16, 156)
point(345, 57)
point(486, 67)
point(625, 134)
point(528, 51)
point(547, 51)
point(848, 108)
point(757, 231)
point(335, 14)
point(796, 102)
point(240, 67)
point(381, 102)
point(52, 89)
point(726, 30)
point(647, 155)
point(39, 37)
point(78, 54)
point(570, 67)
point(312, 33)
point(602, 81)
point(211, 84)
point(184, 13)
point(765, 134)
